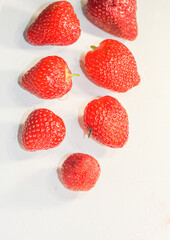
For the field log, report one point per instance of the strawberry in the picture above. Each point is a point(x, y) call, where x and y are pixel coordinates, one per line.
point(107, 121)
point(117, 17)
point(56, 25)
point(112, 66)
point(42, 130)
point(50, 78)
point(80, 172)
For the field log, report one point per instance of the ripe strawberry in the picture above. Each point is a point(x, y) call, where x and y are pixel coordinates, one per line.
point(117, 17)
point(56, 25)
point(112, 66)
point(107, 121)
point(80, 172)
point(42, 130)
point(50, 78)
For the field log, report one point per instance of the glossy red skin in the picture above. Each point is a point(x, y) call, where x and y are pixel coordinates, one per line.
point(56, 25)
point(108, 121)
point(47, 79)
point(117, 17)
point(80, 172)
point(42, 130)
point(112, 66)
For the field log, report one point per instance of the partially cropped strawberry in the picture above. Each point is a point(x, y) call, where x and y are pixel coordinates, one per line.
point(107, 121)
point(42, 130)
point(117, 17)
point(80, 172)
point(56, 25)
point(50, 78)
point(112, 66)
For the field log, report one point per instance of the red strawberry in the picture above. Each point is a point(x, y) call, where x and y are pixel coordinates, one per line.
point(107, 121)
point(80, 172)
point(42, 130)
point(112, 66)
point(56, 25)
point(49, 78)
point(117, 17)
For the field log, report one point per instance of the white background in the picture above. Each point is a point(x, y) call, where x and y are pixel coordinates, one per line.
point(132, 197)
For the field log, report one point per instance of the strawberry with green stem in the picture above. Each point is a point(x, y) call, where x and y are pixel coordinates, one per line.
point(112, 66)
point(106, 121)
point(50, 78)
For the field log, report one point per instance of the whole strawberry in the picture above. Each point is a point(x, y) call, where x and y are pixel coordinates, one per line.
point(117, 17)
point(42, 130)
point(50, 78)
point(56, 25)
point(107, 121)
point(80, 172)
point(112, 66)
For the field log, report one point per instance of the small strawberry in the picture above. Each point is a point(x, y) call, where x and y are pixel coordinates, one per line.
point(107, 121)
point(56, 25)
point(80, 172)
point(42, 130)
point(112, 66)
point(50, 78)
point(118, 17)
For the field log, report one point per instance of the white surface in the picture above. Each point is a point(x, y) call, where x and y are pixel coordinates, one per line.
point(132, 197)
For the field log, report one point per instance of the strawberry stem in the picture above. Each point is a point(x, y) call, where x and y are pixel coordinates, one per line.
point(72, 75)
point(93, 47)
point(90, 131)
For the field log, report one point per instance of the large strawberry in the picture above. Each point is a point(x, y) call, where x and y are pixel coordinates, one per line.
point(56, 25)
point(112, 66)
point(42, 130)
point(107, 121)
point(117, 17)
point(80, 172)
point(49, 78)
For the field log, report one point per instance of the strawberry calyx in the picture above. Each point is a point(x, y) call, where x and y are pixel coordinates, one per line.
point(72, 75)
point(93, 47)
point(90, 131)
